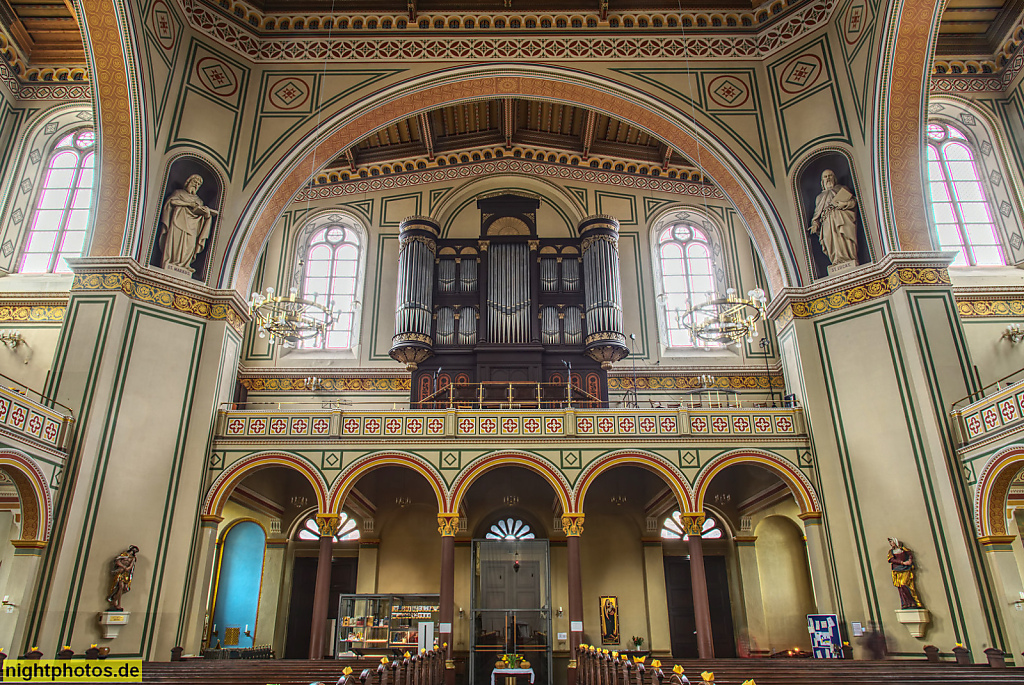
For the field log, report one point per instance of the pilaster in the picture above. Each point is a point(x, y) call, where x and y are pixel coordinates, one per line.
point(144, 359)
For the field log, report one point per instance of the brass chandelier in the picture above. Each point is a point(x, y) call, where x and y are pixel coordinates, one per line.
point(290, 319)
point(726, 320)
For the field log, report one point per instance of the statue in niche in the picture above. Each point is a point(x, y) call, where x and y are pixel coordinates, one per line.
point(902, 561)
point(122, 569)
point(185, 222)
point(835, 220)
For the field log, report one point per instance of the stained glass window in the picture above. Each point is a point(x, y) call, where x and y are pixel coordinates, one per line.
point(347, 531)
point(332, 274)
point(61, 214)
point(672, 528)
point(964, 220)
point(509, 529)
point(685, 277)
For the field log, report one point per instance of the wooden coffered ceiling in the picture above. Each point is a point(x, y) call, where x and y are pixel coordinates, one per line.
point(510, 123)
point(484, 6)
point(46, 31)
point(976, 28)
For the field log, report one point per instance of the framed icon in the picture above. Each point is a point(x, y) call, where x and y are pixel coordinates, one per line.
point(609, 621)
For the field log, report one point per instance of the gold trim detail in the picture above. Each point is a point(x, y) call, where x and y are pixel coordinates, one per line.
point(976, 308)
point(862, 292)
point(810, 516)
point(448, 525)
point(29, 544)
point(32, 313)
point(693, 524)
point(328, 524)
point(264, 384)
point(572, 525)
point(155, 294)
point(739, 382)
point(996, 539)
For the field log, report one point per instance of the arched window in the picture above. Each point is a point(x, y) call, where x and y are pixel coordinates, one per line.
point(347, 530)
point(509, 529)
point(964, 219)
point(332, 273)
point(61, 214)
point(672, 528)
point(685, 277)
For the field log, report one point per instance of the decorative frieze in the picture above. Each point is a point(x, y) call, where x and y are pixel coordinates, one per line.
point(29, 419)
point(990, 415)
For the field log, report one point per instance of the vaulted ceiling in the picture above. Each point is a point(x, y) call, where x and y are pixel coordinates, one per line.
point(526, 125)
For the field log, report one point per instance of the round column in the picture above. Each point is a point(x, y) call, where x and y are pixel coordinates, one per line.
point(573, 526)
point(328, 525)
point(412, 342)
point(602, 289)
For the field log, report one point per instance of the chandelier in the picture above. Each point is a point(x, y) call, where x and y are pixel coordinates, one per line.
point(726, 320)
point(289, 319)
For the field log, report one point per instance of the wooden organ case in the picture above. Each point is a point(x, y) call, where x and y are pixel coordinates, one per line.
point(509, 320)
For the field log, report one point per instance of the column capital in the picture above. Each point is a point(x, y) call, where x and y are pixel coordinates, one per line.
point(448, 525)
point(991, 543)
point(810, 516)
point(744, 539)
point(693, 522)
point(572, 525)
point(211, 519)
point(328, 524)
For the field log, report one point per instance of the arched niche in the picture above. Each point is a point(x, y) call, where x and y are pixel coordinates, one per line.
point(210, 192)
point(808, 187)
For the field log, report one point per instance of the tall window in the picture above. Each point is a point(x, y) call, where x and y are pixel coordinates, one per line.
point(57, 227)
point(685, 278)
point(332, 274)
point(963, 215)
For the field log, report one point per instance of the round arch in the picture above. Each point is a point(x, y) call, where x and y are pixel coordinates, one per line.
point(993, 487)
point(564, 204)
point(488, 462)
point(33, 494)
point(660, 466)
point(899, 112)
point(234, 522)
point(238, 471)
point(463, 84)
point(347, 479)
point(798, 483)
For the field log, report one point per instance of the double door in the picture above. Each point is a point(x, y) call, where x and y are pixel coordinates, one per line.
point(511, 607)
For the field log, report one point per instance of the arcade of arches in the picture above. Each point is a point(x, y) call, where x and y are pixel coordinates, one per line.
point(510, 433)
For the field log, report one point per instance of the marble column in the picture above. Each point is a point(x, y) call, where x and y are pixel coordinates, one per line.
point(20, 587)
point(572, 524)
point(328, 525)
point(1007, 586)
point(694, 525)
point(750, 581)
point(448, 527)
point(817, 560)
point(199, 587)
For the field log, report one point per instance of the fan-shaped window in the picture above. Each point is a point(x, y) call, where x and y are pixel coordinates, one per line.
point(61, 214)
point(672, 528)
point(964, 219)
point(347, 531)
point(332, 273)
point(509, 529)
point(685, 277)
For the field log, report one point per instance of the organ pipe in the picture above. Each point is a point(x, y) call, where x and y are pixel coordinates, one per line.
point(602, 289)
point(417, 246)
point(508, 293)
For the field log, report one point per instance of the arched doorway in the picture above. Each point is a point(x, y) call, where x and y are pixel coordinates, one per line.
point(512, 510)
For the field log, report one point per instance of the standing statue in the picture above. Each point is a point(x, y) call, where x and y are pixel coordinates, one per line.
point(835, 220)
point(122, 570)
point(902, 561)
point(185, 222)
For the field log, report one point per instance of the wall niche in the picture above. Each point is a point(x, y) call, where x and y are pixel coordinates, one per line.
point(833, 230)
point(188, 219)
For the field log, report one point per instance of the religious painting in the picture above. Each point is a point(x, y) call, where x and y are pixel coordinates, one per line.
point(609, 621)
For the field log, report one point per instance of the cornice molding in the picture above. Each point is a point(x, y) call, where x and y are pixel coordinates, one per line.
point(296, 38)
point(125, 275)
point(560, 172)
point(865, 283)
point(40, 83)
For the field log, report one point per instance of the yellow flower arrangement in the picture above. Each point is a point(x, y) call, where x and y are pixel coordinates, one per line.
point(347, 670)
point(749, 682)
point(708, 676)
point(384, 660)
point(639, 659)
point(655, 663)
point(677, 669)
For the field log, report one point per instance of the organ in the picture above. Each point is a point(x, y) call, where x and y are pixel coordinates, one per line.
point(509, 319)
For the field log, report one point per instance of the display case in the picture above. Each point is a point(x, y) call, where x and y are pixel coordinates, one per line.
point(363, 623)
point(383, 624)
point(407, 612)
